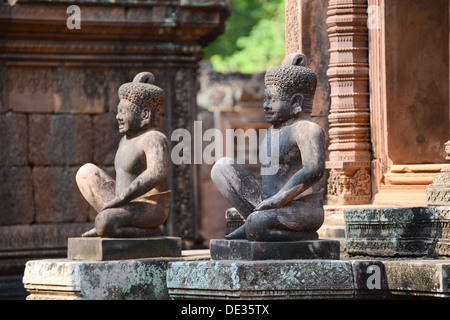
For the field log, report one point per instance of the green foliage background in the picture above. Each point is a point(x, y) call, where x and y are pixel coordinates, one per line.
point(253, 40)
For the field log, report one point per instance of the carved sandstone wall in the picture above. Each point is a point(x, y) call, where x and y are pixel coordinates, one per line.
point(58, 102)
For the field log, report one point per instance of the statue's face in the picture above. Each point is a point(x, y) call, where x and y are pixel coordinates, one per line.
point(277, 110)
point(129, 121)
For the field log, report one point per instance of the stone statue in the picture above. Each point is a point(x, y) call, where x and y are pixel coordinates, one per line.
point(281, 206)
point(136, 203)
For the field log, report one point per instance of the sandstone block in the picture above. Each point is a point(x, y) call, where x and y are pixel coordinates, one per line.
point(57, 196)
point(60, 139)
point(106, 138)
point(438, 192)
point(37, 240)
point(419, 277)
point(96, 280)
point(16, 194)
point(406, 231)
point(294, 279)
point(30, 89)
point(14, 145)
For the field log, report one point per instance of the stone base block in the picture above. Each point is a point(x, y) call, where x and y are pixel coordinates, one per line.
point(309, 279)
point(398, 232)
point(420, 278)
point(222, 249)
point(134, 279)
point(101, 249)
point(294, 279)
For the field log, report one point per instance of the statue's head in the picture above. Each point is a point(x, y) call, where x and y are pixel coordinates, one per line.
point(289, 89)
point(140, 104)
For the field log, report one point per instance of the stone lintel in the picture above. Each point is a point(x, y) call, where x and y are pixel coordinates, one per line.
point(101, 249)
point(222, 249)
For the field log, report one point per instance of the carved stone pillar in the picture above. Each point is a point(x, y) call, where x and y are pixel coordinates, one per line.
point(349, 118)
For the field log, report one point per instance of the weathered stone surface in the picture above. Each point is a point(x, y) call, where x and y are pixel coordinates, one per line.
point(443, 243)
point(111, 280)
point(32, 241)
point(424, 114)
point(100, 249)
point(370, 279)
point(106, 138)
point(248, 250)
point(295, 279)
point(409, 231)
point(193, 277)
point(56, 196)
point(418, 277)
point(59, 139)
point(29, 89)
point(16, 194)
point(309, 279)
point(20, 243)
point(438, 193)
point(14, 142)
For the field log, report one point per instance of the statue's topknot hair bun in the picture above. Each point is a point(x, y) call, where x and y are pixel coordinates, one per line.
point(293, 77)
point(143, 93)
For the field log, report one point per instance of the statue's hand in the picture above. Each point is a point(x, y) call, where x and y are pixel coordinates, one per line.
point(273, 202)
point(114, 203)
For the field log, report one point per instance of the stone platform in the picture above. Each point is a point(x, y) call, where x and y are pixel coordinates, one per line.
point(195, 276)
point(293, 279)
point(309, 279)
point(222, 249)
point(101, 249)
point(131, 279)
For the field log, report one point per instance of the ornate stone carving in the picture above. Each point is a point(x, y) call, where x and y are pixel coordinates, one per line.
point(354, 187)
point(438, 193)
point(407, 231)
point(348, 72)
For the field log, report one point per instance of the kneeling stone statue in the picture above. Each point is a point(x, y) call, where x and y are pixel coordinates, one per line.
point(136, 203)
point(282, 206)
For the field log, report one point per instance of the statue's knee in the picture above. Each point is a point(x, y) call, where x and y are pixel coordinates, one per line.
point(220, 168)
point(84, 172)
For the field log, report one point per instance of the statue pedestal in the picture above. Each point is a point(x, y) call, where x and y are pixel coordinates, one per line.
point(270, 279)
point(309, 279)
point(128, 279)
point(101, 249)
point(222, 249)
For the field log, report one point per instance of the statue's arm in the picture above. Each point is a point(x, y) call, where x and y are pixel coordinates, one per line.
point(156, 149)
point(311, 144)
